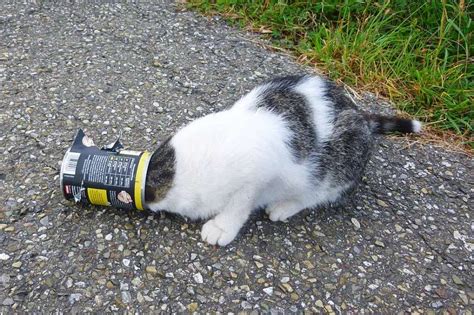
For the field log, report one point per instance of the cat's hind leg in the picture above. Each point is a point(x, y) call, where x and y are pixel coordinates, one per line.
point(282, 210)
point(225, 226)
point(321, 195)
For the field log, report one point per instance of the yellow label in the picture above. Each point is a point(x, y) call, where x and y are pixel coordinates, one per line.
point(98, 196)
point(139, 180)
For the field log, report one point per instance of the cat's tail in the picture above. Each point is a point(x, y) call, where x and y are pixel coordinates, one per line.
point(384, 124)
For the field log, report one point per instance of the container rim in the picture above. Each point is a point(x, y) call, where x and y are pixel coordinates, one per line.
point(62, 171)
point(145, 173)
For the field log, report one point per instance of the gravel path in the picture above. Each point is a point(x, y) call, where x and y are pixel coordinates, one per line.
point(404, 242)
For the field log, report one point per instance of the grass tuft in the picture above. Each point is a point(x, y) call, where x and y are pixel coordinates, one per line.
point(419, 54)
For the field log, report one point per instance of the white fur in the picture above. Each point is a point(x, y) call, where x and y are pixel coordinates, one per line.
point(313, 90)
point(251, 99)
point(234, 161)
point(417, 126)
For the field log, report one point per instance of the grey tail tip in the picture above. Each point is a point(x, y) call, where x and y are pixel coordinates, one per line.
point(383, 124)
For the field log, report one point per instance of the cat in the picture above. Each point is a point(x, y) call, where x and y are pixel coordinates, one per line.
point(292, 143)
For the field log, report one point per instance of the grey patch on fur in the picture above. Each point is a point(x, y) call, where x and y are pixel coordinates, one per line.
point(280, 98)
point(161, 172)
point(342, 158)
point(338, 96)
point(346, 154)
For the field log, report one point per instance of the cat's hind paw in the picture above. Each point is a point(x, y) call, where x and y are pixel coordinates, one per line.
point(283, 210)
point(214, 234)
point(278, 216)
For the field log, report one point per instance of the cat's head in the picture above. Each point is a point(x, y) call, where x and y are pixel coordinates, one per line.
point(161, 172)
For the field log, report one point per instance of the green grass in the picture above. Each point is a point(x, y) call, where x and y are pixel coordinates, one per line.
point(417, 53)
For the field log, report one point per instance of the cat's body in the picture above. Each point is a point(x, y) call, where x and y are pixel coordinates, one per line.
point(290, 144)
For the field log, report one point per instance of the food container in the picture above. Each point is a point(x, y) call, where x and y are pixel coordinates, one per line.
point(107, 176)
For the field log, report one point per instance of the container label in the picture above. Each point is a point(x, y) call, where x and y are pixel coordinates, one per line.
point(98, 196)
point(104, 176)
point(71, 163)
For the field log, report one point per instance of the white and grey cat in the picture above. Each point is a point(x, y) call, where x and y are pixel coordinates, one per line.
point(292, 143)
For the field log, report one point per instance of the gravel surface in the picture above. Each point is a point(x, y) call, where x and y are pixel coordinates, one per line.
point(403, 242)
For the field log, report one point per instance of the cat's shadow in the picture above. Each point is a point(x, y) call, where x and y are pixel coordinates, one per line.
point(309, 218)
point(325, 216)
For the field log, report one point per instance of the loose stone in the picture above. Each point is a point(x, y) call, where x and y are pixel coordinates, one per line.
point(151, 269)
point(198, 278)
point(268, 290)
point(4, 256)
point(356, 223)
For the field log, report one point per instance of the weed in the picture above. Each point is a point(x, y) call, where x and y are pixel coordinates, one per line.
point(417, 53)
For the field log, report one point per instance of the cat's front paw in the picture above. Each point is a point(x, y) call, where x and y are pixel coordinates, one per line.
point(214, 234)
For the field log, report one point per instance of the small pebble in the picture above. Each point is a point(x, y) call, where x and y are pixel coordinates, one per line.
point(287, 287)
point(8, 301)
point(285, 279)
point(457, 280)
point(151, 269)
point(457, 235)
point(17, 264)
point(464, 298)
point(268, 290)
point(140, 298)
point(126, 297)
point(192, 307)
point(356, 223)
point(437, 304)
point(44, 221)
point(382, 203)
point(379, 243)
point(198, 278)
point(294, 296)
point(4, 256)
